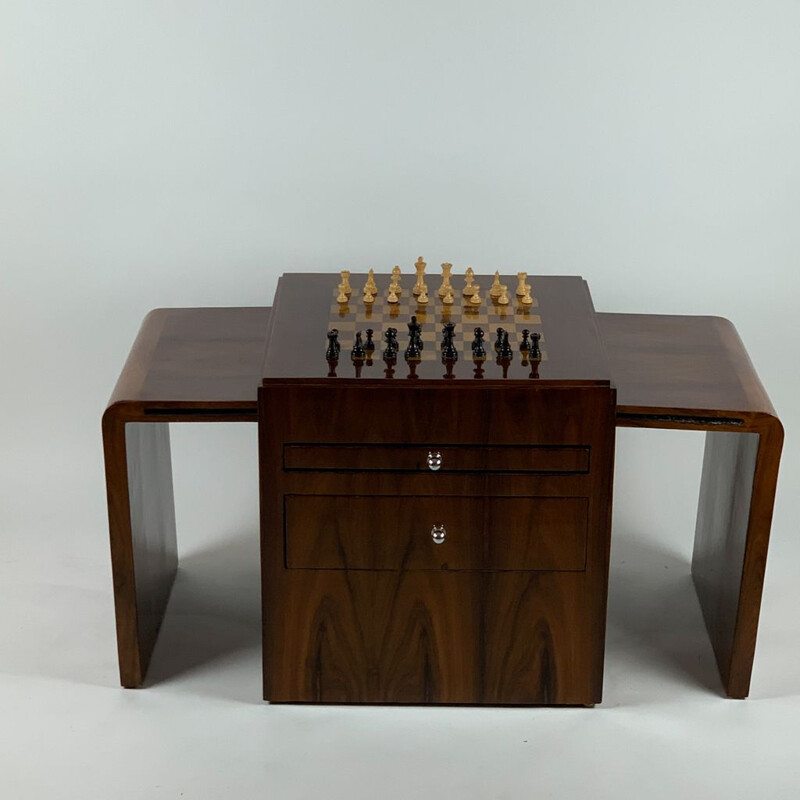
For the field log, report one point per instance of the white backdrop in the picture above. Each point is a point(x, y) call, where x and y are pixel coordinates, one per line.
point(186, 153)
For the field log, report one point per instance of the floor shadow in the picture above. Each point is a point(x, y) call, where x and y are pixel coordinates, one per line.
point(210, 640)
point(655, 624)
point(214, 617)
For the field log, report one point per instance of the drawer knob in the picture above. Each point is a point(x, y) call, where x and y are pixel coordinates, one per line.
point(434, 459)
point(438, 534)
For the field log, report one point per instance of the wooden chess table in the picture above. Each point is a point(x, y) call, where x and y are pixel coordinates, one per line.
point(440, 534)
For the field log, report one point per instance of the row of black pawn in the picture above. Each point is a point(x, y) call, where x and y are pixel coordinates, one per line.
point(529, 346)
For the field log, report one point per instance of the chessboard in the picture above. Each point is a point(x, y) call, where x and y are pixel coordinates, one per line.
point(353, 316)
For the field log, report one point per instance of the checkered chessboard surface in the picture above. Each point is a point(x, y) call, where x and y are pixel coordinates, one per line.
point(489, 315)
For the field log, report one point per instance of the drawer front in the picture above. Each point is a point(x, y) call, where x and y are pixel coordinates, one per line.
point(435, 457)
point(401, 533)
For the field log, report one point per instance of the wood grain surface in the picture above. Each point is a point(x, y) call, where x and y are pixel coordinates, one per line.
point(693, 373)
point(348, 618)
point(186, 365)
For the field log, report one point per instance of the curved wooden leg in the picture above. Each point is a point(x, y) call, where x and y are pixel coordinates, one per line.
point(737, 494)
point(142, 530)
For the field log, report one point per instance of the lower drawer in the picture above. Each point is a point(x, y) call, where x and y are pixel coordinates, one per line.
point(343, 532)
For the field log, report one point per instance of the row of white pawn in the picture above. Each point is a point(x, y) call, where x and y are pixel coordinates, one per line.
point(498, 291)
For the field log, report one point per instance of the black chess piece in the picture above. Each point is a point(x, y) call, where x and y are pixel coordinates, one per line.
point(369, 345)
point(390, 337)
point(449, 350)
point(332, 353)
point(478, 348)
point(413, 352)
point(525, 345)
point(499, 340)
point(535, 353)
point(358, 353)
point(415, 332)
point(505, 353)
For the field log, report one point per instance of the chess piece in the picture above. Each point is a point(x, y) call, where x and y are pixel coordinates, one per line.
point(413, 351)
point(526, 298)
point(419, 286)
point(469, 277)
point(370, 284)
point(448, 298)
point(390, 337)
point(535, 353)
point(423, 299)
point(449, 351)
point(478, 349)
point(369, 345)
point(358, 353)
point(497, 287)
point(342, 297)
point(522, 287)
point(344, 286)
point(392, 298)
point(503, 298)
point(368, 299)
point(396, 273)
point(415, 332)
point(499, 340)
point(332, 353)
point(525, 344)
point(505, 353)
point(447, 268)
point(475, 299)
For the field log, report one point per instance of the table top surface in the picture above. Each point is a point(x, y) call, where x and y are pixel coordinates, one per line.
point(196, 356)
point(306, 308)
point(689, 365)
point(681, 364)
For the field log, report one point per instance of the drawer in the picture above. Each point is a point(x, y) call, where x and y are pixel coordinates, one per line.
point(400, 533)
point(422, 457)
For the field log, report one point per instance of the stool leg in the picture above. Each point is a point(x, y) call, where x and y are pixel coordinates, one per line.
point(142, 531)
point(737, 493)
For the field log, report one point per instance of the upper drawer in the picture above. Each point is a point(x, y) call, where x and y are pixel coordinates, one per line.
point(443, 458)
point(435, 532)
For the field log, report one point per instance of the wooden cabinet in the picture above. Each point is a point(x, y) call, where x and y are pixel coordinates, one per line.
point(475, 577)
point(434, 540)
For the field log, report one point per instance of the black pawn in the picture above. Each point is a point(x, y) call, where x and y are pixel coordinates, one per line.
point(499, 340)
point(478, 348)
point(332, 353)
point(358, 353)
point(536, 353)
point(525, 345)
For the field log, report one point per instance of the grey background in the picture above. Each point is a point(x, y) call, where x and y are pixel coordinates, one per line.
point(176, 153)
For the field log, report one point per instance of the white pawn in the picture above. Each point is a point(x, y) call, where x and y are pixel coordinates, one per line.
point(526, 299)
point(368, 298)
point(503, 299)
point(422, 298)
point(448, 299)
point(475, 298)
point(392, 298)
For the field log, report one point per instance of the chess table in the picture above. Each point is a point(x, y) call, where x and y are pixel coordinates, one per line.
point(440, 534)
